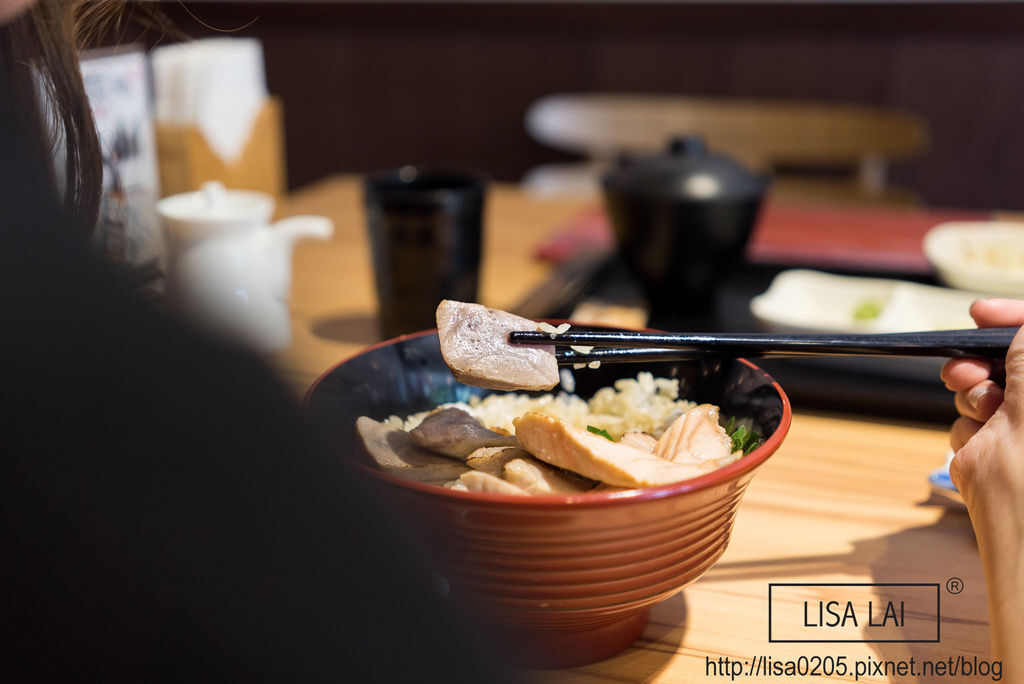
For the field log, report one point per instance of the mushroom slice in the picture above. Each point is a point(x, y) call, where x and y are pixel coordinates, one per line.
point(474, 344)
point(696, 437)
point(492, 460)
point(540, 478)
point(394, 452)
point(453, 432)
point(595, 457)
point(479, 481)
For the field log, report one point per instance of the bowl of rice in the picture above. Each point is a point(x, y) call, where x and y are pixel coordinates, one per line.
point(566, 579)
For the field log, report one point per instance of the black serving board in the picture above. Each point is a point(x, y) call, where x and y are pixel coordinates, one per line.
point(870, 387)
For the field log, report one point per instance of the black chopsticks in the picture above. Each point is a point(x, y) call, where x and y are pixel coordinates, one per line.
point(628, 346)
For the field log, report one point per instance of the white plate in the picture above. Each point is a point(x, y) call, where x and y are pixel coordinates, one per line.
point(802, 300)
point(984, 256)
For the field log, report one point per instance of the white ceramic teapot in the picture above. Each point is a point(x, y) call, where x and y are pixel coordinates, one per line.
point(229, 269)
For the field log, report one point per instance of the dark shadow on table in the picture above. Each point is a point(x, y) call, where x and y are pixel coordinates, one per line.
point(964, 616)
point(355, 329)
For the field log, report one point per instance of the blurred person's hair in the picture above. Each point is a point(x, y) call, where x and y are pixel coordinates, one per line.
point(39, 70)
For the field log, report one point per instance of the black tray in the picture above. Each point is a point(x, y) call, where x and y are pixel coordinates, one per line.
point(874, 387)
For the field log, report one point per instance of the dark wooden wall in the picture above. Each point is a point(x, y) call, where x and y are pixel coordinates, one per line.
point(367, 86)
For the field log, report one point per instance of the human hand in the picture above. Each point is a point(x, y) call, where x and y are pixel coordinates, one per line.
point(985, 407)
point(977, 395)
point(988, 470)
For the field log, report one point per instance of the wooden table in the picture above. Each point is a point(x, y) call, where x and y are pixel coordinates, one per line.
point(845, 500)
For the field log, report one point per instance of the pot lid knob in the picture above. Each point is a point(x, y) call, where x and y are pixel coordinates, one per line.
point(687, 171)
point(688, 146)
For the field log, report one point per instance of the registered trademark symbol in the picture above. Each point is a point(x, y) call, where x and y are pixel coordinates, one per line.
point(954, 585)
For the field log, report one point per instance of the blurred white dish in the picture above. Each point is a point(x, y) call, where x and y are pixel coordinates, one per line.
point(229, 269)
point(985, 256)
point(802, 300)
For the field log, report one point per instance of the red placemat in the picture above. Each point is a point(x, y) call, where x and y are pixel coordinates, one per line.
point(851, 238)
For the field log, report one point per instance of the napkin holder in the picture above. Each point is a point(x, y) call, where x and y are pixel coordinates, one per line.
point(186, 160)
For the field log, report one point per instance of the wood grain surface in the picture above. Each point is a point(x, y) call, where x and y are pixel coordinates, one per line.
point(844, 500)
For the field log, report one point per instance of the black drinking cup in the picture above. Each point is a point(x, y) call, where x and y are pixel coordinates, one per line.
point(425, 233)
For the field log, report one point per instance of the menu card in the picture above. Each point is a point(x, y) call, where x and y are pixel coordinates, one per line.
point(117, 84)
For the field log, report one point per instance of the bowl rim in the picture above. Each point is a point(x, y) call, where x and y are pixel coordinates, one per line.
point(733, 471)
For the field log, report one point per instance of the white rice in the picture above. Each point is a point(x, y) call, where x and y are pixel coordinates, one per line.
point(567, 380)
point(645, 404)
point(551, 330)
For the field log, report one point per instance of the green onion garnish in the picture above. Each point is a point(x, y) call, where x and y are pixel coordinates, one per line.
point(743, 438)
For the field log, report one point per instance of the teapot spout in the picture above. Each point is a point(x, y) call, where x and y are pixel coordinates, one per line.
point(288, 230)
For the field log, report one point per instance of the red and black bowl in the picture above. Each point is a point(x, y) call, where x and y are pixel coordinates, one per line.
point(569, 579)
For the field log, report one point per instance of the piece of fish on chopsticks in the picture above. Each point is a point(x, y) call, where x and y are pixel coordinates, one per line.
point(474, 344)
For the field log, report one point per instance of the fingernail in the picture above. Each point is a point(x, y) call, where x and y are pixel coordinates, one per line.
point(975, 396)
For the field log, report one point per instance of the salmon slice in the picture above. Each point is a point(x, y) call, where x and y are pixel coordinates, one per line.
point(641, 440)
point(395, 453)
point(606, 488)
point(540, 478)
point(474, 344)
point(696, 437)
point(492, 460)
point(595, 457)
point(479, 481)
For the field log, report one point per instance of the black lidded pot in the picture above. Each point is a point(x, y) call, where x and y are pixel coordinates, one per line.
point(682, 221)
